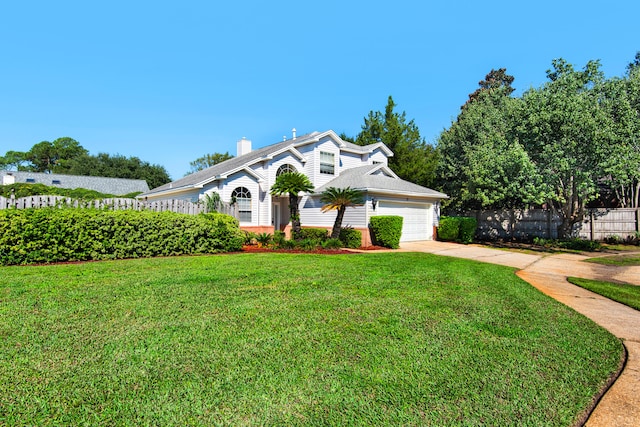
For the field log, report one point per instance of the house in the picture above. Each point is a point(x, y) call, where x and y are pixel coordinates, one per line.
point(116, 186)
point(328, 161)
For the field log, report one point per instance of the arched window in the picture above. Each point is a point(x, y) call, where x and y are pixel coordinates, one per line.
point(242, 198)
point(285, 169)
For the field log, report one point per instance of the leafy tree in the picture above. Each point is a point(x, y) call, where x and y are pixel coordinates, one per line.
point(482, 162)
point(207, 161)
point(620, 98)
point(54, 156)
point(413, 160)
point(292, 183)
point(634, 64)
point(119, 166)
point(13, 160)
point(568, 136)
point(622, 162)
point(496, 79)
point(340, 199)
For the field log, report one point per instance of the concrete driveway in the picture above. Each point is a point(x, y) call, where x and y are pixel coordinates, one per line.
point(620, 406)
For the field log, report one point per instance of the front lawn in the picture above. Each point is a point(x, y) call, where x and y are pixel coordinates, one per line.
point(282, 339)
point(625, 260)
point(621, 292)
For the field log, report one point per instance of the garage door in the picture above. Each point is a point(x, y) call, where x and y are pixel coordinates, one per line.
point(417, 223)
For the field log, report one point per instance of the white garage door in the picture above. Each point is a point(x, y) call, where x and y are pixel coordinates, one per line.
point(417, 222)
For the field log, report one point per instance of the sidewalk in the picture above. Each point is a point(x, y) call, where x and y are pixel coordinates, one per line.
point(620, 406)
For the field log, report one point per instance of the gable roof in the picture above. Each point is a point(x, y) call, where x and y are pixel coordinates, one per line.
point(116, 186)
point(228, 167)
point(379, 179)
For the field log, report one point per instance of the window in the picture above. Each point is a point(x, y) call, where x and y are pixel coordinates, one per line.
point(31, 180)
point(285, 169)
point(327, 163)
point(56, 182)
point(242, 198)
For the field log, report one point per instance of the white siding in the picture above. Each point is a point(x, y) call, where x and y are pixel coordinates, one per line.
point(329, 146)
point(379, 157)
point(351, 160)
point(312, 216)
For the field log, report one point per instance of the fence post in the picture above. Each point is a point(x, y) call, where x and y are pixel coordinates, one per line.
point(549, 216)
point(591, 224)
point(637, 220)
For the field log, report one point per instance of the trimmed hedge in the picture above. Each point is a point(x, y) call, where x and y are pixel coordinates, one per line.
point(49, 235)
point(460, 229)
point(350, 238)
point(386, 230)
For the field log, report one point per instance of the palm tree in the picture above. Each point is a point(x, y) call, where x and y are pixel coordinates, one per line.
point(340, 199)
point(292, 183)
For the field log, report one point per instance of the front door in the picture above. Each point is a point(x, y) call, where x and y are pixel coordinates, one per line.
point(275, 216)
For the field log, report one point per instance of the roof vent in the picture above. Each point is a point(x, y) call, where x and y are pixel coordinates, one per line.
point(294, 133)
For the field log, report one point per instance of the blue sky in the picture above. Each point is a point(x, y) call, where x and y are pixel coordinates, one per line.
point(171, 81)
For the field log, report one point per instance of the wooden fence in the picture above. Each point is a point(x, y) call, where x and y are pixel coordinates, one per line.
point(526, 224)
point(178, 206)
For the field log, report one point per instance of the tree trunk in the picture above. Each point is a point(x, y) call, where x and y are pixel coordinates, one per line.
point(337, 225)
point(295, 214)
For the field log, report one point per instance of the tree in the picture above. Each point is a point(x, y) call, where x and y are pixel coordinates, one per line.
point(496, 79)
point(568, 136)
point(292, 183)
point(413, 160)
point(207, 161)
point(634, 64)
point(54, 156)
point(620, 98)
point(483, 164)
point(340, 199)
point(343, 136)
point(119, 166)
point(13, 160)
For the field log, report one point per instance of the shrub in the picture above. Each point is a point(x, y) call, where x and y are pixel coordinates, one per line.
point(332, 244)
point(449, 228)
point(350, 237)
point(613, 239)
point(286, 244)
point(579, 245)
point(309, 244)
point(250, 238)
point(54, 235)
point(263, 239)
point(460, 229)
point(468, 226)
point(312, 233)
point(278, 237)
point(386, 230)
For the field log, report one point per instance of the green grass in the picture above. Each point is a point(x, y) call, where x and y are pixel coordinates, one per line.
point(620, 292)
point(620, 260)
point(282, 339)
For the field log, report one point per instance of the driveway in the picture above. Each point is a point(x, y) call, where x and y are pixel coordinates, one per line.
point(620, 406)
